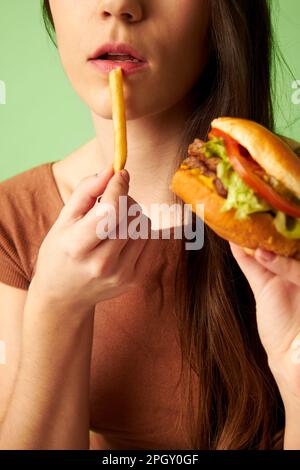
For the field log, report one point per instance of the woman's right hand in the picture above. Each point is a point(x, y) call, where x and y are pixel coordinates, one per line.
point(77, 268)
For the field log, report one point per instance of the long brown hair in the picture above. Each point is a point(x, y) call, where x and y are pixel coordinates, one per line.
point(237, 403)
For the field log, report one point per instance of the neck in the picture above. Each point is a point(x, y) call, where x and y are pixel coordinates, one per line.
point(153, 144)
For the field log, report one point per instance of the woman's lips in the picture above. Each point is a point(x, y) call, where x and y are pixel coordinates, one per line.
point(128, 68)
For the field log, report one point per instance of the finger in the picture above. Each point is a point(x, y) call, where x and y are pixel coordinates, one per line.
point(128, 257)
point(122, 254)
point(103, 219)
point(110, 198)
point(117, 186)
point(286, 268)
point(85, 195)
point(132, 227)
point(256, 274)
point(114, 200)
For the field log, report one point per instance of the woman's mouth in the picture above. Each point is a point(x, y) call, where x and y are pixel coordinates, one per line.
point(128, 66)
point(118, 58)
point(111, 56)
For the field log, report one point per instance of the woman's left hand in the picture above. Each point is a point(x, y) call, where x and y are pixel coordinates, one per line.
point(275, 282)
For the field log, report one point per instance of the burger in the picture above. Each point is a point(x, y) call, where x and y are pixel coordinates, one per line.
point(248, 180)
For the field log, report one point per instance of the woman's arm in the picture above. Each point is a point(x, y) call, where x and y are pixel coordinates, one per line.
point(49, 405)
point(12, 303)
point(75, 270)
point(275, 281)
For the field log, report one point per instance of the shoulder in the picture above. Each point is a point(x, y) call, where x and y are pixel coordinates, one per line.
point(29, 192)
point(29, 205)
point(21, 187)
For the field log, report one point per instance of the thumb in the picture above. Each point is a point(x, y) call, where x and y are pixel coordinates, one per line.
point(85, 194)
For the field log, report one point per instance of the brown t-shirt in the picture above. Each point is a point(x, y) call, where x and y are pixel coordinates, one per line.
point(135, 397)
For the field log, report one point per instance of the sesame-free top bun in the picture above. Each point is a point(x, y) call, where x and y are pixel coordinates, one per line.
point(256, 231)
point(270, 151)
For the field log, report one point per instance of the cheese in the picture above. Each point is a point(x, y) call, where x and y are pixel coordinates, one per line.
point(206, 180)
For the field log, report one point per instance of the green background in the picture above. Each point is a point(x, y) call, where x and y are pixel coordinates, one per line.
point(43, 119)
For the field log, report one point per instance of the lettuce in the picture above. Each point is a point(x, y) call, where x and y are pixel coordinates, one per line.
point(215, 147)
point(240, 197)
point(281, 225)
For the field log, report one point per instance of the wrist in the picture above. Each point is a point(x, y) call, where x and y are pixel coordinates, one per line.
point(288, 382)
point(71, 311)
point(291, 402)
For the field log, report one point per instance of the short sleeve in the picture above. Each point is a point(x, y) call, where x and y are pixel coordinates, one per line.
point(12, 271)
point(29, 206)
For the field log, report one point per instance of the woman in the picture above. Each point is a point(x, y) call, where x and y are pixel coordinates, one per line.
point(99, 335)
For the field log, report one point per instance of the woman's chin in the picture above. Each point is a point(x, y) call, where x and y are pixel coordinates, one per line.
point(98, 100)
point(104, 111)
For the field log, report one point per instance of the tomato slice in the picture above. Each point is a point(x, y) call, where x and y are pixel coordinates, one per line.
point(246, 168)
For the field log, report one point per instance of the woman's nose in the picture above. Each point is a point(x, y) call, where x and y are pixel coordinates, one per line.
point(127, 10)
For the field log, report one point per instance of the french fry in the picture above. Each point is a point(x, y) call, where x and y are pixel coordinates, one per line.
point(119, 119)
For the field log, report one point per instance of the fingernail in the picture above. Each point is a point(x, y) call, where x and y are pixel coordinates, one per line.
point(125, 175)
point(264, 255)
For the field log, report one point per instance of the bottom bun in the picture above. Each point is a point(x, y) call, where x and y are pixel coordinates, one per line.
point(257, 231)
